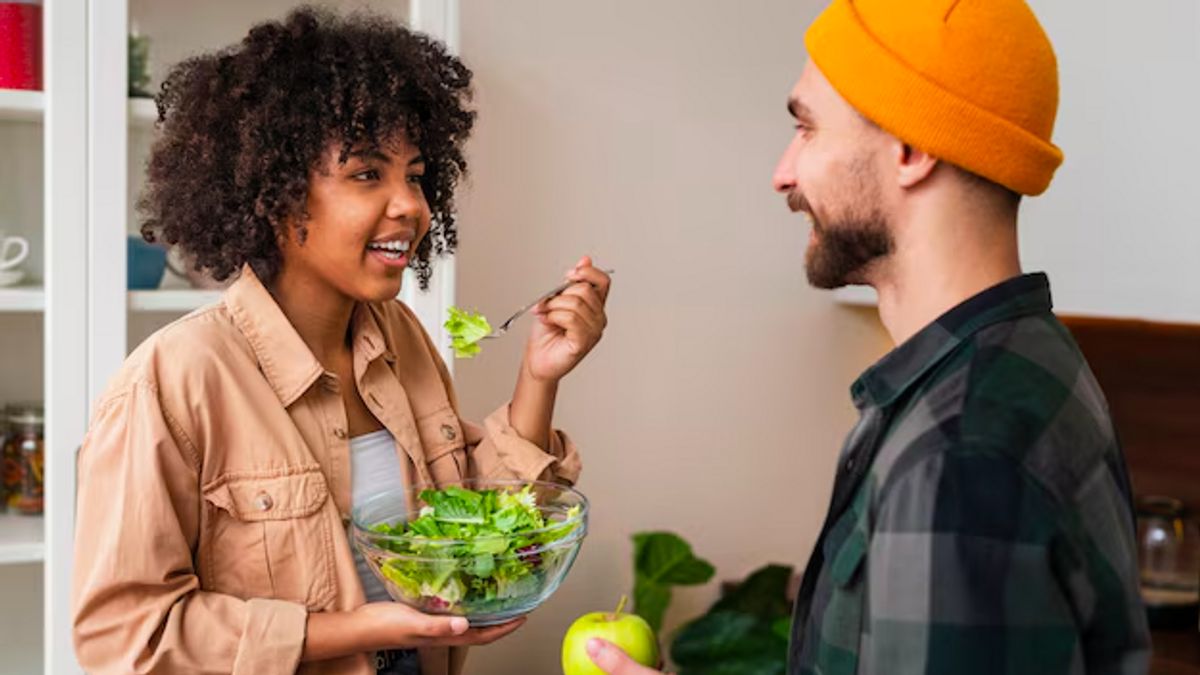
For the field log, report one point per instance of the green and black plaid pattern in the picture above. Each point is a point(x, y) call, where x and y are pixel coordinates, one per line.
point(981, 519)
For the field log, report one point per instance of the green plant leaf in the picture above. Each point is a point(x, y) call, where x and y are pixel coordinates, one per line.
point(662, 560)
point(762, 664)
point(782, 627)
point(763, 594)
point(729, 642)
point(664, 557)
point(650, 601)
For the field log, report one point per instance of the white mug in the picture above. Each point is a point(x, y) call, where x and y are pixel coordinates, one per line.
point(8, 242)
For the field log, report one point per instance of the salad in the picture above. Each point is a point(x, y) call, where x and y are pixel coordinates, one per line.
point(476, 551)
point(466, 329)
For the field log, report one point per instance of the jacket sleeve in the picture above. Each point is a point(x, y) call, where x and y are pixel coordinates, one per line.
point(496, 450)
point(136, 601)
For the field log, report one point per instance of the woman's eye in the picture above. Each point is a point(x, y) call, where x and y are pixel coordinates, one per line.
point(416, 178)
point(369, 174)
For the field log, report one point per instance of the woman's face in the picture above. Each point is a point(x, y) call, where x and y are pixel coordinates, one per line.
point(365, 219)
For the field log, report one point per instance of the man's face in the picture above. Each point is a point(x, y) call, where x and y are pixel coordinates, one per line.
point(831, 172)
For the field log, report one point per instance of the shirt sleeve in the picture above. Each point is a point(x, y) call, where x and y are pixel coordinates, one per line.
point(136, 600)
point(496, 450)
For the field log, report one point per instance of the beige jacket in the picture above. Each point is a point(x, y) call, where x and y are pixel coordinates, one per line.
point(214, 486)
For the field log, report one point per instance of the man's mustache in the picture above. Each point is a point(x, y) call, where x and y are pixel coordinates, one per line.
point(796, 202)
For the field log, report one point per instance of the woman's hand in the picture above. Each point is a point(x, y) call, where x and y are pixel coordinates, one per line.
point(391, 625)
point(569, 325)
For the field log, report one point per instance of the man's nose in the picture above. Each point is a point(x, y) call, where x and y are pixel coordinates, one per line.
point(784, 178)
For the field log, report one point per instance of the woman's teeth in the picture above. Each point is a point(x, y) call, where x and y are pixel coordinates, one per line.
point(393, 250)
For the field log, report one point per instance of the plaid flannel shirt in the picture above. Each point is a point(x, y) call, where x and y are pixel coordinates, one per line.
point(981, 518)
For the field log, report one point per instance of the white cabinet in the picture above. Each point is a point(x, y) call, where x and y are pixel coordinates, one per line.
point(1119, 229)
point(74, 158)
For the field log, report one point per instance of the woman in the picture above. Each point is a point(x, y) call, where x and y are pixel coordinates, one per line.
point(315, 161)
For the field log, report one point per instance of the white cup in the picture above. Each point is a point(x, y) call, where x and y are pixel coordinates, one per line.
point(9, 242)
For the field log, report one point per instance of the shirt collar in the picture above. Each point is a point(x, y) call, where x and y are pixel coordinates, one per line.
point(900, 369)
point(286, 361)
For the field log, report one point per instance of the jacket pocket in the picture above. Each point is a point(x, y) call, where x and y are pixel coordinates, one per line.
point(445, 447)
point(269, 536)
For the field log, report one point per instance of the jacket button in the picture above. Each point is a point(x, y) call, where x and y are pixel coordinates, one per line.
point(340, 433)
point(263, 502)
point(448, 432)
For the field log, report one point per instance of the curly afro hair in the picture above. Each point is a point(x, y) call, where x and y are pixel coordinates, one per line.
point(241, 128)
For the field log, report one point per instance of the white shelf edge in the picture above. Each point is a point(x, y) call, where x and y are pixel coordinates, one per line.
point(21, 539)
point(856, 296)
point(143, 113)
point(171, 300)
point(21, 105)
point(864, 296)
point(22, 299)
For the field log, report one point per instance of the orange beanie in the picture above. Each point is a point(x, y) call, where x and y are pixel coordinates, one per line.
point(972, 82)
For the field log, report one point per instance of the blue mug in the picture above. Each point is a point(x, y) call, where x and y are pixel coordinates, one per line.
point(144, 264)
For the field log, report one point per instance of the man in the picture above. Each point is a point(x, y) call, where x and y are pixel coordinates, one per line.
point(980, 519)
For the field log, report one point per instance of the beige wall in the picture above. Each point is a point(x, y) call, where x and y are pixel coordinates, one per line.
point(645, 133)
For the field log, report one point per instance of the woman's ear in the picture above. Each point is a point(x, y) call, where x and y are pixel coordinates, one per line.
point(912, 164)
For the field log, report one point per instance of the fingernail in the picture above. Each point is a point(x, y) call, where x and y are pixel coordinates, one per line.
point(459, 625)
point(594, 647)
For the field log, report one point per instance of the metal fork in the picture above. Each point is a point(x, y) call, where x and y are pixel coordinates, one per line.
point(557, 290)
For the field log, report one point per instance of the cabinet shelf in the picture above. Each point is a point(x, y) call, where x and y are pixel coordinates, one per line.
point(18, 105)
point(21, 539)
point(143, 113)
point(856, 296)
point(22, 299)
point(184, 300)
point(33, 299)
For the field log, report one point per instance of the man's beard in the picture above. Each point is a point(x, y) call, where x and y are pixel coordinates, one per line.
point(842, 253)
point(853, 237)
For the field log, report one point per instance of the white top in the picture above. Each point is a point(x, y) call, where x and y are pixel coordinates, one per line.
point(374, 469)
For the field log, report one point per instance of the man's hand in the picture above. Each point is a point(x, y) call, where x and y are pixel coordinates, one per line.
point(613, 661)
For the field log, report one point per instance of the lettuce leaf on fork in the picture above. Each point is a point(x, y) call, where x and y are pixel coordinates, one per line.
point(466, 329)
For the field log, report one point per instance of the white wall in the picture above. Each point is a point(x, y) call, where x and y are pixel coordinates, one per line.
point(645, 133)
point(1119, 230)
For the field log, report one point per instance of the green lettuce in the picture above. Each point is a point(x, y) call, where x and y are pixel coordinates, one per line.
point(466, 329)
point(475, 550)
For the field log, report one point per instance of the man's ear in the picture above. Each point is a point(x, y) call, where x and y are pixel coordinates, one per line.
point(912, 165)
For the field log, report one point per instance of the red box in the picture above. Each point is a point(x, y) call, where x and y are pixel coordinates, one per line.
point(20, 45)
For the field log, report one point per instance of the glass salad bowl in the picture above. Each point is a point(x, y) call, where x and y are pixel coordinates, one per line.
point(489, 550)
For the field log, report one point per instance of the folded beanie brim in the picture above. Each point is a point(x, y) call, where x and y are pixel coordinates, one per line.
point(906, 104)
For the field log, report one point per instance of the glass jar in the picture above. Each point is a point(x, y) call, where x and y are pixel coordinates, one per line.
point(27, 437)
point(1169, 563)
point(4, 490)
point(10, 460)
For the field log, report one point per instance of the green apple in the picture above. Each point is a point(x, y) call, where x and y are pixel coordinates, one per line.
point(630, 632)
